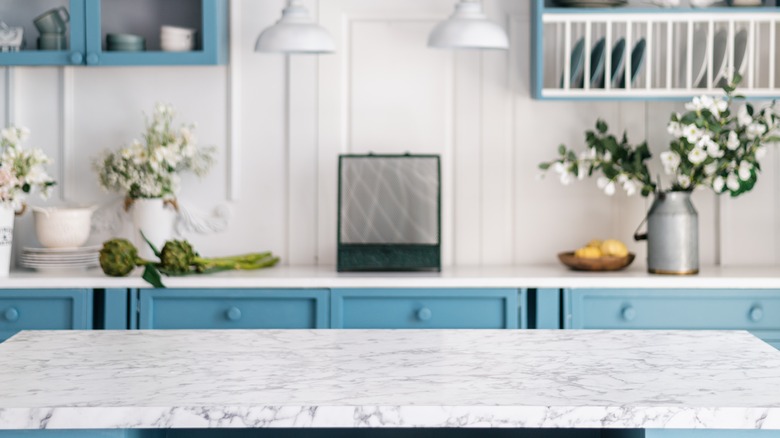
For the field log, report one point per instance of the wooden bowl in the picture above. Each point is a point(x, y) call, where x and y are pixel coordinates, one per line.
point(599, 264)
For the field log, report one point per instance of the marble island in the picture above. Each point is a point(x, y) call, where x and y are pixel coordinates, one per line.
point(388, 379)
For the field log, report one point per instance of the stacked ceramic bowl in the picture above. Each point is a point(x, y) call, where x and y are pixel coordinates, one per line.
point(177, 39)
point(125, 42)
point(62, 233)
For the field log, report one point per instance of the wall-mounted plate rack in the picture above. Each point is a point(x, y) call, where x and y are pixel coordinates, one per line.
point(653, 54)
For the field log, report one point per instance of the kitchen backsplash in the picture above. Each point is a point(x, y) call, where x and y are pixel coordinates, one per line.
point(384, 91)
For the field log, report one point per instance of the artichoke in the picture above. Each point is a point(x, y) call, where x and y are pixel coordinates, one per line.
point(177, 257)
point(119, 257)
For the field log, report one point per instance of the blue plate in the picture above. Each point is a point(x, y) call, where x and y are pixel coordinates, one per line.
point(577, 61)
point(637, 60)
point(597, 63)
point(618, 52)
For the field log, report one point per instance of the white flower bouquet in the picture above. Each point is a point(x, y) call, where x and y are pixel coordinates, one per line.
point(22, 172)
point(150, 169)
point(711, 147)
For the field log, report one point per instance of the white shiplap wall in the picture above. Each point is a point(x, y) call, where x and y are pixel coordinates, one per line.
point(281, 123)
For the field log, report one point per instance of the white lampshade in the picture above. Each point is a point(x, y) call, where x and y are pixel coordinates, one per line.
point(468, 28)
point(295, 32)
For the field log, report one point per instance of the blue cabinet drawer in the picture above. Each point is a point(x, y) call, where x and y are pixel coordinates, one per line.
point(44, 310)
point(421, 308)
point(232, 309)
point(673, 309)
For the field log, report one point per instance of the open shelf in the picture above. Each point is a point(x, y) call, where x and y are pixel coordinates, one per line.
point(670, 53)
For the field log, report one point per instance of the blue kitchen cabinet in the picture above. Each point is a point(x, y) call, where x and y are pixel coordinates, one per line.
point(755, 310)
point(144, 17)
point(91, 20)
point(115, 309)
point(688, 433)
point(98, 433)
point(428, 309)
point(44, 310)
point(544, 309)
point(20, 13)
point(232, 309)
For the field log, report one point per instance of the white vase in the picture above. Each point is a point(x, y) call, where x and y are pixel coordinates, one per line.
point(7, 215)
point(155, 219)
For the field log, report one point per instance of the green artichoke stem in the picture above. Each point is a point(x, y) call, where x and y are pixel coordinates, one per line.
point(239, 258)
point(239, 266)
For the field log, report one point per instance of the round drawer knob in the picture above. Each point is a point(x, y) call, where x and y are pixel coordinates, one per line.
point(76, 58)
point(12, 314)
point(424, 314)
point(234, 314)
point(93, 59)
point(629, 313)
point(756, 313)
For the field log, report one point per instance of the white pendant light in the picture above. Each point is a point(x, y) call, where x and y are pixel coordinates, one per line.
point(295, 33)
point(468, 28)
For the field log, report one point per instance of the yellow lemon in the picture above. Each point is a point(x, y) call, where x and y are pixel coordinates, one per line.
point(595, 243)
point(614, 248)
point(588, 252)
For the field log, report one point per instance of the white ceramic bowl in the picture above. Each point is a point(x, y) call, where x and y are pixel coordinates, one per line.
point(174, 30)
point(63, 227)
point(169, 46)
point(176, 36)
point(177, 41)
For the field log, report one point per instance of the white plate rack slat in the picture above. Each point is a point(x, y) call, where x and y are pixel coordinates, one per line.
point(655, 54)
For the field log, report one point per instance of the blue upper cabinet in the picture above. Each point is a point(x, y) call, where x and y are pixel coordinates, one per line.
point(92, 20)
point(145, 18)
point(22, 13)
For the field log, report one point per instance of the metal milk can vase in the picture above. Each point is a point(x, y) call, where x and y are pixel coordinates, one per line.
point(672, 235)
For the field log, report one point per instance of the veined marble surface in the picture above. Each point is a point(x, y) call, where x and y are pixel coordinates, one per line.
point(388, 378)
point(554, 276)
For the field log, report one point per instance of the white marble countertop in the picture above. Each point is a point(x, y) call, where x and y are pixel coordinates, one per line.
point(388, 378)
point(545, 276)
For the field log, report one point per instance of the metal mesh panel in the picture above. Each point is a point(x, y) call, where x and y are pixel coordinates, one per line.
point(392, 200)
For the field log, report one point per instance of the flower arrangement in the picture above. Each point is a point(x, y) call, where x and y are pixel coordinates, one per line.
point(150, 169)
point(711, 147)
point(22, 172)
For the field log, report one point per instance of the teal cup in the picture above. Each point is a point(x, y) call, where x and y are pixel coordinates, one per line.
point(53, 21)
point(52, 41)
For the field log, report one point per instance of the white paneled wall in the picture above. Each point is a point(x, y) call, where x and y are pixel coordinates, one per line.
point(280, 124)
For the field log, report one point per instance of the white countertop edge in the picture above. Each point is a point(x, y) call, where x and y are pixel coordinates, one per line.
point(238, 417)
point(519, 277)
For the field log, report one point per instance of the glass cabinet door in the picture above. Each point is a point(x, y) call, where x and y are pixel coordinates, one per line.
point(52, 32)
point(122, 32)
